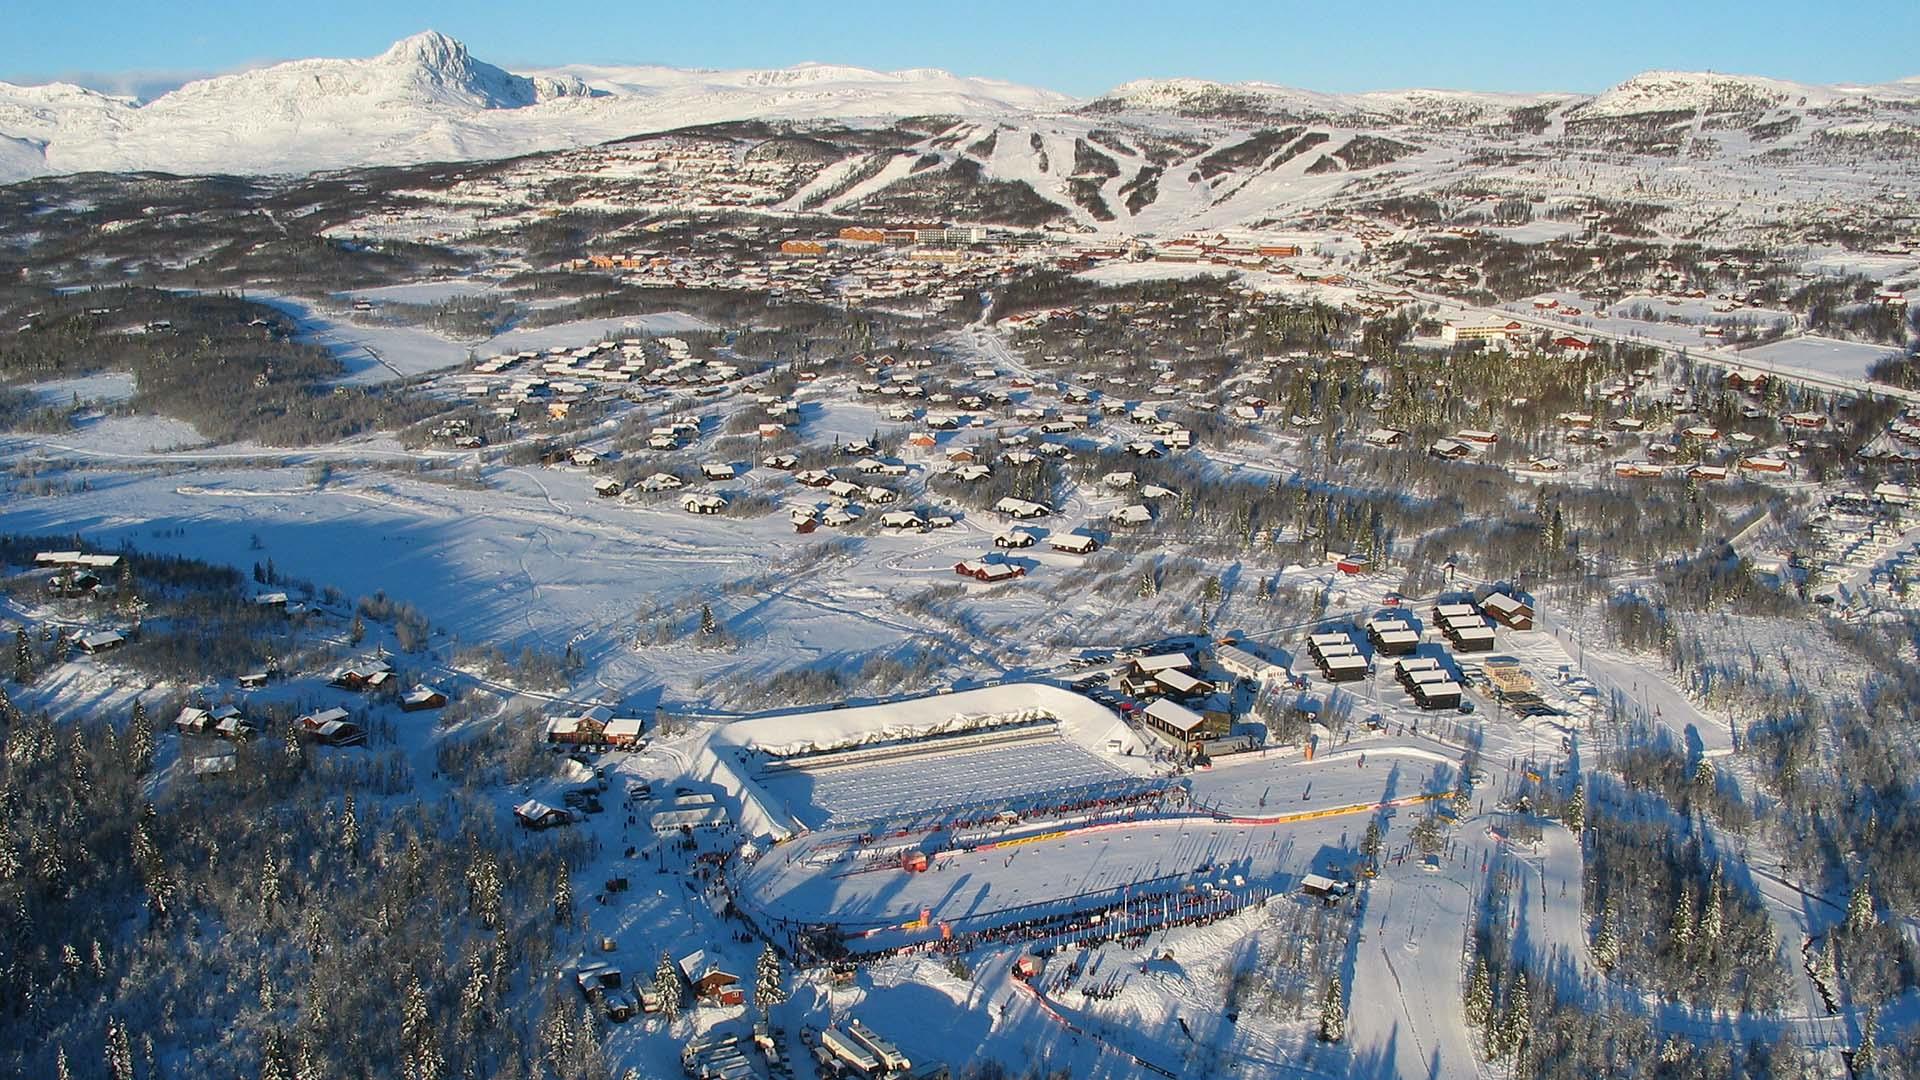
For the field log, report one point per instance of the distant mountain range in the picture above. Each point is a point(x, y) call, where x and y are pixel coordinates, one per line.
point(428, 99)
point(1149, 157)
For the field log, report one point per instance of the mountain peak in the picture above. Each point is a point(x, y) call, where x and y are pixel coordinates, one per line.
point(429, 48)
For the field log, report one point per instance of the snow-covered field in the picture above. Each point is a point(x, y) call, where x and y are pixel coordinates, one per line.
point(105, 386)
point(1822, 356)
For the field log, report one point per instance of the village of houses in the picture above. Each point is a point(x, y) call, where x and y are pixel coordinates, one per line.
point(1008, 460)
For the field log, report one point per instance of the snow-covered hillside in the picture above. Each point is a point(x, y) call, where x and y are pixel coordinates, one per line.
point(1151, 157)
point(1203, 98)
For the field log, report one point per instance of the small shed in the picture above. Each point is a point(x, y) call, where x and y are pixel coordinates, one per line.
point(534, 814)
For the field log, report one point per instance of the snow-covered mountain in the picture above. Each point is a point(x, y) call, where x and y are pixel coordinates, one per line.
point(1709, 93)
point(1701, 93)
point(427, 99)
point(1202, 98)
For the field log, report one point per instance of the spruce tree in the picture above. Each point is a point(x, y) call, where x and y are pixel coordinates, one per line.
point(770, 981)
point(1703, 775)
point(707, 623)
point(22, 657)
point(416, 1034)
point(1682, 927)
point(1576, 811)
point(273, 1064)
point(127, 596)
point(563, 898)
point(119, 1051)
point(1333, 1013)
point(666, 986)
point(1712, 916)
point(1860, 917)
point(140, 741)
point(1606, 942)
point(1868, 1055)
point(349, 828)
point(1519, 1018)
point(1479, 999)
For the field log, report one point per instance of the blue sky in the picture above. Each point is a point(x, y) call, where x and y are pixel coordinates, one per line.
point(1074, 46)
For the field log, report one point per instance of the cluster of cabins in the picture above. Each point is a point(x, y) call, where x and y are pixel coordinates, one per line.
point(1338, 657)
point(604, 987)
point(1182, 708)
point(1392, 636)
point(1427, 682)
point(221, 721)
point(330, 727)
point(77, 573)
point(989, 570)
point(1467, 630)
point(1165, 675)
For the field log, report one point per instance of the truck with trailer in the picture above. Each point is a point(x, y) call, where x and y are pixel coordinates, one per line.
point(848, 1052)
point(887, 1054)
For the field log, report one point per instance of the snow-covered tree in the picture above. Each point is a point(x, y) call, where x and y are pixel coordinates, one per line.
point(418, 1043)
point(1682, 926)
point(1606, 941)
point(1703, 774)
point(349, 827)
point(666, 985)
point(293, 754)
point(127, 594)
point(483, 880)
point(1860, 916)
point(61, 1070)
point(1575, 814)
point(707, 623)
point(22, 657)
point(1518, 1022)
point(1479, 999)
point(140, 741)
point(119, 1051)
point(273, 1063)
point(770, 985)
point(1867, 1055)
point(1333, 1013)
point(1370, 843)
point(269, 886)
point(1712, 918)
point(563, 898)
